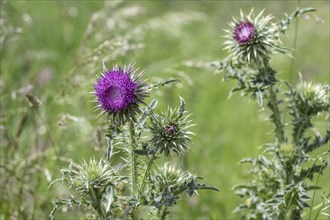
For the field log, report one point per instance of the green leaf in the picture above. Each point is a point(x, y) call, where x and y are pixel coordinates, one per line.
point(108, 199)
point(143, 119)
point(181, 107)
point(164, 83)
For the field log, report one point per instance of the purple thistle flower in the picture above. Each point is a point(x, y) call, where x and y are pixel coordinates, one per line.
point(118, 93)
point(115, 90)
point(244, 32)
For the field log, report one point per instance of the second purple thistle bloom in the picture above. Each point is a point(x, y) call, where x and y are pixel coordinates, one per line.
point(244, 32)
point(115, 90)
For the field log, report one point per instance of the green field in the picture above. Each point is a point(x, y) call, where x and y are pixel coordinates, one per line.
point(56, 49)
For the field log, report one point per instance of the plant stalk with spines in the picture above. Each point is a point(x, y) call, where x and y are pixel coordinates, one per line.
point(146, 172)
point(134, 175)
point(273, 105)
point(96, 203)
point(133, 166)
point(162, 213)
point(272, 101)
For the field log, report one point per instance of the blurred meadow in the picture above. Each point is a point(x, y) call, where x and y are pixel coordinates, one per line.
point(52, 52)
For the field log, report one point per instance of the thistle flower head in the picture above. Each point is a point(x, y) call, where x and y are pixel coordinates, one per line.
point(169, 182)
point(97, 175)
point(313, 98)
point(251, 38)
point(97, 185)
point(119, 92)
point(170, 131)
point(168, 176)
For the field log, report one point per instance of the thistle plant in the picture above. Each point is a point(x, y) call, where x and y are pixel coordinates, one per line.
point(279, 188)
point(139, 186)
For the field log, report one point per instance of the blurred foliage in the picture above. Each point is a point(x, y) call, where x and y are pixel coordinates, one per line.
point(53, 50)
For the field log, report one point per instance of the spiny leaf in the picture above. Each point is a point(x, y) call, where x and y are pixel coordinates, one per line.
point(164, 83)
point(181, 107)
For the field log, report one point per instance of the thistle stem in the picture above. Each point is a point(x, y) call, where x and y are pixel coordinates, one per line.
point(96, 203)
point(294, 47)
point(300, 129)
point(319, 141)
point(159, 210)
point(146, 173)
point(276, 116)
point(162, 213)
point(313, 198)
point(133, 156)
point(131, 131)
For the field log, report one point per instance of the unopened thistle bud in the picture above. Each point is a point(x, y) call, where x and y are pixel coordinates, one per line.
point(93, 174)
point(170, 132)
point(312, 98)
point(169, 183)
point(168, 175)
point(119, 93)
point(95, 183)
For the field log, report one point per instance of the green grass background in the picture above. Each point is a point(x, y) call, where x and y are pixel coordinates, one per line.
point(227, 129)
